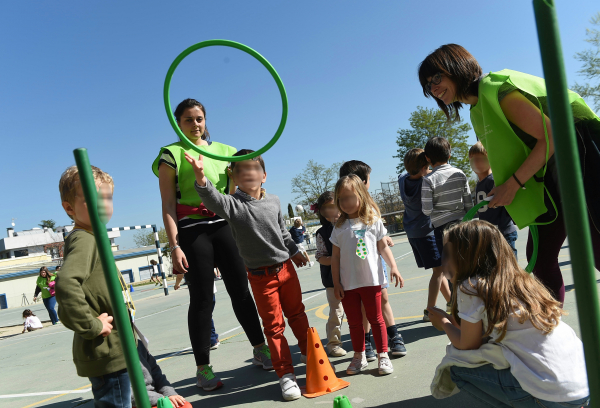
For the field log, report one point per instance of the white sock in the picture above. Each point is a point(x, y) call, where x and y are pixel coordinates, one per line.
point(382, 355)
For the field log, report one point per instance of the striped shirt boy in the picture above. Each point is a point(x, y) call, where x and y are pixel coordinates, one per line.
point(445, 195)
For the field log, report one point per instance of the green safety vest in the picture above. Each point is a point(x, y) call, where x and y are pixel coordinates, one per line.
point(506, 151)
point(215, 171)
point(43, 285)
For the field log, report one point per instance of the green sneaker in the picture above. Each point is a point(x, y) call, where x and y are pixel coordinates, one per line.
point(207, 380)
point(262, 357)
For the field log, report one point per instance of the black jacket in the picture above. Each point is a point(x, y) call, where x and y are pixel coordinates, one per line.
point(325, 233)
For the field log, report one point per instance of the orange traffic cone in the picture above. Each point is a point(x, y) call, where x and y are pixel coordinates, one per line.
point(320, 377)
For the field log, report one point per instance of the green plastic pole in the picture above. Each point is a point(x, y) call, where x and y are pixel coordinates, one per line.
point(571, 186)
point(121, 317)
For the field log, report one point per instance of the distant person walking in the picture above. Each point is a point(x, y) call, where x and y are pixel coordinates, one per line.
point(45, 285)
point(155, 274)
point(297, 232)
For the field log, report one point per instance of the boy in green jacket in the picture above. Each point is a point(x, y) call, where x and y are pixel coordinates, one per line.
point(83, 297)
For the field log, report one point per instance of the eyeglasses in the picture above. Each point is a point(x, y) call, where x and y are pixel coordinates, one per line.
point(435, 80)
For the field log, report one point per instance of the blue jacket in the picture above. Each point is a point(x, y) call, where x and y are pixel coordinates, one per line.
point(298, 234)
point(416, 224)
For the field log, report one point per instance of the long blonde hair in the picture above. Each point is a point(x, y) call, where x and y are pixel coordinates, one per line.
point(481, 252)
point(367, 210)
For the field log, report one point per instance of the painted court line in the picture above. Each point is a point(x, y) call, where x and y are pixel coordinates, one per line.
point(162, 311)
point(310, 297)
point(402, 256)
point(33, 394)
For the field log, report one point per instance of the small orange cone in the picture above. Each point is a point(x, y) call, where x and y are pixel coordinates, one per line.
point(320, 377)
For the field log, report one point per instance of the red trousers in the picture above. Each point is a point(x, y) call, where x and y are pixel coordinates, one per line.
point(370, 296)
point(276, 295)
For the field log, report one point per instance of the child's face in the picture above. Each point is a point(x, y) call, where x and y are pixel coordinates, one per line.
point(348, 200)
point(368, 182)
point(449, 261)
point(192, 123)
point(248, 175)
point(330, 211)
point(79, 210)
point(479, 163)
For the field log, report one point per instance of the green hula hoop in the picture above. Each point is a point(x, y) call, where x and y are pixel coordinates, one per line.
point(532, 228)
point(262, 60)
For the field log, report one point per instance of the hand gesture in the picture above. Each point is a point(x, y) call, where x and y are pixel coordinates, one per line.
point(338, 291)
point(504, 194)
point(177, 401)
point(395, 275)
point(299, 259)
point(106, 324)
point(388, 241)
point(198, 166)
point(438, 317)
point(179, 260)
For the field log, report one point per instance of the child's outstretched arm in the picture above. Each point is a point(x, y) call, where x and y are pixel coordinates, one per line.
point(338, 290)
point(216, 202)
point(467, 337)
point(386, 252)
point(198, 166)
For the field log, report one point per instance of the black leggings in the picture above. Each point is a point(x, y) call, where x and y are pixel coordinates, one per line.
point(206, 246)
point(547, 267)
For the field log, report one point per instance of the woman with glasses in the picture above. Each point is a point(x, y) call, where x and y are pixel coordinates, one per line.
point(509, 113)
point(200, 241)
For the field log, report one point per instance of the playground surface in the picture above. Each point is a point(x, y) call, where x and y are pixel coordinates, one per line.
point(37, 368)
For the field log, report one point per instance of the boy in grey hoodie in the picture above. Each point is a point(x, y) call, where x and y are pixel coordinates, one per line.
point(267, 249)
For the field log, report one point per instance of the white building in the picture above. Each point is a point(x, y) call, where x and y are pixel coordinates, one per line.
point(37, 242)
point(23, 253)
point(18, 282)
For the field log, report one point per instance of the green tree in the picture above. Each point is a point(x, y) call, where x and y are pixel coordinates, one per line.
point(314, 180)
point(591, 65)
point(290, 210)
point(48, 224)
point(427, 123)
point(146, 238)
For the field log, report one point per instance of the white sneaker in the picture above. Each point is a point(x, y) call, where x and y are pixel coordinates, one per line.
point(289, 387)
point(337, 352)
point(358, 364)
point(385, 365)
point(311, 264)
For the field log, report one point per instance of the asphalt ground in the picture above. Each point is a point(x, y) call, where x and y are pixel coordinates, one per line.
point(37, 368)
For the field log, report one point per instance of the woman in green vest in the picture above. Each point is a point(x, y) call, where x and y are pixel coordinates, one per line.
point(509, 113)
point(200, 241)
point(45, 285)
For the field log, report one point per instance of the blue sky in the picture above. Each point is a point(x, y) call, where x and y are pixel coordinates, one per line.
point(90, 74)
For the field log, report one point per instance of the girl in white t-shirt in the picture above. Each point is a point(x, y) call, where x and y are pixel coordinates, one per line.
point(509, 345)
point(32, 322)
point(357, 269)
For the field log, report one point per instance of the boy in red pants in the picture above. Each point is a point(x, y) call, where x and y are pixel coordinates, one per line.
point(267, 249)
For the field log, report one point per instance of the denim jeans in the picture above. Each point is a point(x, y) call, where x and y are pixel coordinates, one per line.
point(512, 239)
point(112, 390)
point(50, 304)
point(499, 388)
point(214, 336)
